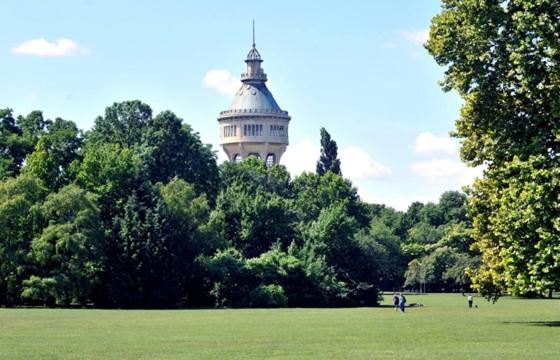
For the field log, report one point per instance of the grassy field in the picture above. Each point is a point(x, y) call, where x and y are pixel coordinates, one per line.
point(443, 329)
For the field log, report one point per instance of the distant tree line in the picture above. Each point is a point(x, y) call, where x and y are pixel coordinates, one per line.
point(137, 213)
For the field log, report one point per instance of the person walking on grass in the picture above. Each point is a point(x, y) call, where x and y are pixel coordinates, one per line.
point(396, 301)
point(402, 302)
point(470, 300)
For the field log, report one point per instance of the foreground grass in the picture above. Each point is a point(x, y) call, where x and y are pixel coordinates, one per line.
point(443, 329)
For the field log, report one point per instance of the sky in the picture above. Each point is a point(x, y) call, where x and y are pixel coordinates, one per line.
point(357, 68)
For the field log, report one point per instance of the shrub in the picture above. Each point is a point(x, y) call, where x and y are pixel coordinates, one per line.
point(268, 296)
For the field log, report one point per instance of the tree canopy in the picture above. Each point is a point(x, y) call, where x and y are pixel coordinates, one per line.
point(502, 57)
point(329, 155)
point(136, 213)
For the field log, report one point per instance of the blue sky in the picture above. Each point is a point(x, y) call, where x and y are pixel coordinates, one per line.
point(357, 68)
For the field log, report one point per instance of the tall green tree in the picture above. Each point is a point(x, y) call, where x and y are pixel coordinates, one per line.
point(197, 231)
point(54, 154)
point(252, 174)
point(18, 138)
point(166, 146)
point(517, 228)
point(67, 255)
point(502, 58)
point(173, 149)
point(257, 221)
point(313, 193)
point(112, 173)
point(12, 152)
point(19, 198)
point(122, 124)
point(354, 260)
point(329, 155)
point(141, 269)
point(415, 275)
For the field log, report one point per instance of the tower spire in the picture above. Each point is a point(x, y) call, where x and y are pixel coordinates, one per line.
point(253, 32)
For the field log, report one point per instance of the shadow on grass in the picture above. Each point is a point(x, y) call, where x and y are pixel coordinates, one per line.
point(536, 323)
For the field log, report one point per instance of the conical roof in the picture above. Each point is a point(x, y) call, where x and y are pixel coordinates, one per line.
point(253, 97)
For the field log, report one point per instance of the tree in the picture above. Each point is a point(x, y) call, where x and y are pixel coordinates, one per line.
point(411, 217)
point(314, 193)
point(197, 231)
point(432, 214)
point(112, 173)
point(33, 126)
point(452, 205)
point(18, 200)
point(353, 259)
point(458, 271)
point(141, 267)
point(423, 234)
point(416, 275)
point(388, 257)
point(54, 154)
point(12, 153)
point(166, 147)
point(510, 121)
point(252, 174)
point(517, 228)
point(173, 149)
point(507, 76)
point(257, 221)
point(329, 155)
point(123, 124)
point(67, 254)
point(229, 276)
point(18, 138)
point(436, 266)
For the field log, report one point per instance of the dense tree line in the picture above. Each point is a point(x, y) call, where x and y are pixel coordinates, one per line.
point(136, 213)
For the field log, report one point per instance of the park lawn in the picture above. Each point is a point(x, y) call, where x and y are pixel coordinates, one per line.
point(444, 328)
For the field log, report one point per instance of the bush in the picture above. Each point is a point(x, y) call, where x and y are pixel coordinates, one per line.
point(268, 296)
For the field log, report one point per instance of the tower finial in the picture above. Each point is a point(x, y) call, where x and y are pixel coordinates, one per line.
point(253, 32)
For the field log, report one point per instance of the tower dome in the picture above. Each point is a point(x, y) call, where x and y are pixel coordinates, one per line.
point(254, 124)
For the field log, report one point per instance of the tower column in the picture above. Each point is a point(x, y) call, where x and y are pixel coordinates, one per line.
point(261, 126)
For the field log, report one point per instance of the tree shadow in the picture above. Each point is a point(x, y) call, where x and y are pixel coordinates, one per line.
point(536, 323)
point(385, 306)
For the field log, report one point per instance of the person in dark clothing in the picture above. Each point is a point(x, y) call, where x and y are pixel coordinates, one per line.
point(396, 301)
point(402, 302)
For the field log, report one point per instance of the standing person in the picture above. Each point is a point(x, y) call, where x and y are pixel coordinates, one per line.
point(470, 300)
point(402, 302)
point(396, 301)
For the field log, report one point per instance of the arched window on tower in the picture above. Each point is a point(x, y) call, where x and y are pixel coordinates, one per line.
point(237, 158)
point(270, 160)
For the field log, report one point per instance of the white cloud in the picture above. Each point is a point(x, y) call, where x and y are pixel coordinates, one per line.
point(301, 157)
point(415, 36)
point(357, 164)
point(444, 171)
point(222, 156)
point(222, 81)
point(470, 173)
point(41, 47)
point(437, 171)
point(428, 143)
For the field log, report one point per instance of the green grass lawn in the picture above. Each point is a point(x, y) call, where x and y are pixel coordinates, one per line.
point(443, 329)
